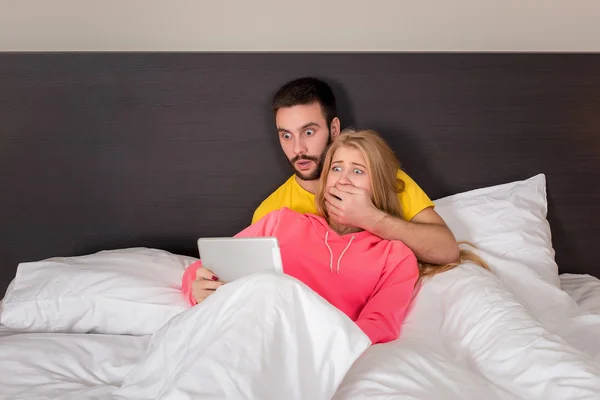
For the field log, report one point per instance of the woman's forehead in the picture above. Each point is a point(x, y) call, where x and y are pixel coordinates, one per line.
point(348, 154)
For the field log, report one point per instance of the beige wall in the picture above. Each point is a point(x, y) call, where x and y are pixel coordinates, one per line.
point(265, 25)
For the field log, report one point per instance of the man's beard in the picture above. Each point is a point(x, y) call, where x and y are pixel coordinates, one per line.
point(316, 174)
point(311, 176)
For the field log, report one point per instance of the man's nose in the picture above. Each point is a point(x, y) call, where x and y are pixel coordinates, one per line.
point(299, 147)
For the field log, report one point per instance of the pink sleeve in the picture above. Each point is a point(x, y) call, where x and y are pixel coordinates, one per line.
point(189, 276)
point(382, 316)
point(263, 227)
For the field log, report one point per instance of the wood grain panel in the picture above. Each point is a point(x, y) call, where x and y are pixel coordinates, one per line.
point(108, 150)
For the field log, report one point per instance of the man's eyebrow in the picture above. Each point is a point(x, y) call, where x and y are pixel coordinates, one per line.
point(309, 125)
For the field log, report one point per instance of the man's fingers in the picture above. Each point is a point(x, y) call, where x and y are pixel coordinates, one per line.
point(335, 192)
point(333, 210)
point(347, 189)
point(332, 199)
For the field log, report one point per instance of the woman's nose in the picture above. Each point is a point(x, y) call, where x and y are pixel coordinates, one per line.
point(343, 180)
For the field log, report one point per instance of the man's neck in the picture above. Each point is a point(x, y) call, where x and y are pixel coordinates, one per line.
point(309, 186)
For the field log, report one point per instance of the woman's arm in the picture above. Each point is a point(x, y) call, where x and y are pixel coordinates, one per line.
point(387, 307)
point(198, 283)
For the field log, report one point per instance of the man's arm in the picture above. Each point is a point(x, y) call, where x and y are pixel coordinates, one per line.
point(426, 234)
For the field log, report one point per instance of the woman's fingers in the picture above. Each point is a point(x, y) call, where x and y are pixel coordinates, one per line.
point(204, 284)
point(203, 288)
point(203, 273)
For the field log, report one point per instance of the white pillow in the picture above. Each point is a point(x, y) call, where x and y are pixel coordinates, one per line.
point(128, 291)
point(506, 221)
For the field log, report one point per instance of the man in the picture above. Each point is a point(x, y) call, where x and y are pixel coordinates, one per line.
point(306, 119)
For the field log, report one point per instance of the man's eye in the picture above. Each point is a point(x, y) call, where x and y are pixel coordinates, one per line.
point(286, 136)
point(310, 132)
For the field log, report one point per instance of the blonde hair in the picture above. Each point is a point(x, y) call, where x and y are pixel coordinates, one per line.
point(381, 163)
point(383, 166)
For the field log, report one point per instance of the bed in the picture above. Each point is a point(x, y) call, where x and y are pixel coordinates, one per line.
point(114, 163)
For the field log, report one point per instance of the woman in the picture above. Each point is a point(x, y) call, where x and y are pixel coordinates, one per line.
point(369, 279)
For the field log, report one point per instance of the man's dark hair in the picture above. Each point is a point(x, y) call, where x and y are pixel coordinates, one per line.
point(307, 90)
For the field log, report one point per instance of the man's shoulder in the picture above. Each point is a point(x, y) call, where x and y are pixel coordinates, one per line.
point(408, 181)
point(279, 194)
point(275, 200)
point(285, 187)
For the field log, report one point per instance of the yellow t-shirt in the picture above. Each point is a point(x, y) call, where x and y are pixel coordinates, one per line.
point(291, 195)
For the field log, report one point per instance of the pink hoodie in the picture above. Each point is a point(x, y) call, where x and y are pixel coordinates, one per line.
point(369, 279)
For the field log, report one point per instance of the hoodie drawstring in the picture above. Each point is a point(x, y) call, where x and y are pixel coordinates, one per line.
point(341, 255)
point(331, 253)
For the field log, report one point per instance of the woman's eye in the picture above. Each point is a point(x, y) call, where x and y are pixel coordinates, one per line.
point(337, 169)
point(357, 171)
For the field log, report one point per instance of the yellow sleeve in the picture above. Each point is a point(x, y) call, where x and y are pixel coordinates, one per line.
point(413, 199)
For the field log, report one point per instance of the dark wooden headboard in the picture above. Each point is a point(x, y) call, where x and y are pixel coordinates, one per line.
point(101, 151)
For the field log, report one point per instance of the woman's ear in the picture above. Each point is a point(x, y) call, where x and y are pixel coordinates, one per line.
point(334, 128)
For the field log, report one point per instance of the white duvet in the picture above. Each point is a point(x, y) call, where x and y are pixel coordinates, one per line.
point(470, 337)
point(266, 336)
point(471, 334)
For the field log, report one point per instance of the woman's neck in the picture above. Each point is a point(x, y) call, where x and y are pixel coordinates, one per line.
point(342, 229)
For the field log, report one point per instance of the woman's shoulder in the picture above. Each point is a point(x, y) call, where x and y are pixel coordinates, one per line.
point(397, 248)
point(285, 214)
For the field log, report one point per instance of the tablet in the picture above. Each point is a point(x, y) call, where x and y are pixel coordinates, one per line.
point(234, 258)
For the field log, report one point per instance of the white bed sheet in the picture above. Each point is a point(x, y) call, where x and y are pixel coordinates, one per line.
point(584, 289)
point(64, 365)
point(4, 331)
point(470, 335)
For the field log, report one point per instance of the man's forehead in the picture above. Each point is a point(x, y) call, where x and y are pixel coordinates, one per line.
point(300, 117)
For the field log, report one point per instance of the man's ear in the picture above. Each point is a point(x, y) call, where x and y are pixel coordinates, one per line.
point(334, 128)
